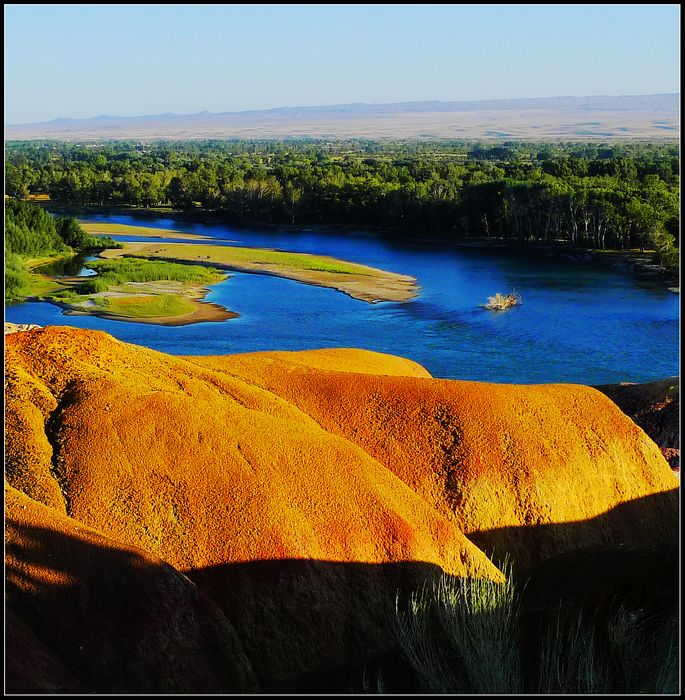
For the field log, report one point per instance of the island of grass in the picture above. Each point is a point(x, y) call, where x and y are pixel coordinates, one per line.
point(108, 229)
point(358, 281)
point(164, 283)
point(141, 291)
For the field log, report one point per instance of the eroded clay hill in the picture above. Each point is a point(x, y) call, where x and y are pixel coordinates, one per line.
point(286, 498)
point(525, 470)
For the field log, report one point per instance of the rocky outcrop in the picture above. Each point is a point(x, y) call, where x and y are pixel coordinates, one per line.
point(300, 493)
point(528, 471)
point(17, 327)
point(655, 407)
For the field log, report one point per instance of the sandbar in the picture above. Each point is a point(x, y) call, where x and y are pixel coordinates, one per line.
point(357, 281)
point(107, 229)
point(205, 312)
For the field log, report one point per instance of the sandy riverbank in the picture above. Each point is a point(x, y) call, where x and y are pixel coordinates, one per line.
point(357, 281)
point(105, 229)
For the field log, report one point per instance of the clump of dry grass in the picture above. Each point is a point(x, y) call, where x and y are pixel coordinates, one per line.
point(463, 635)
point(500, 301)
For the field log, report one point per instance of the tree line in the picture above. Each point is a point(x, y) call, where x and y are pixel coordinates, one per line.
point(583, 194)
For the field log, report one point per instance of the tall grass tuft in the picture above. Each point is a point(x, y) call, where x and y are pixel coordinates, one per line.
point(379, 688)
point(463, 637)
point(569, 658)
point(668, 657)
point(499, 301)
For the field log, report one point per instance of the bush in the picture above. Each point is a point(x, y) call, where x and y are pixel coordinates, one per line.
point(17, 278)
point(500, 301)
point(73, 235)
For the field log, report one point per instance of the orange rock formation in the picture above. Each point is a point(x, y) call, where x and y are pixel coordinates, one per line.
point(298, 491)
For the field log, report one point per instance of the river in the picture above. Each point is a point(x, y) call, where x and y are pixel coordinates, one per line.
point(578, 323)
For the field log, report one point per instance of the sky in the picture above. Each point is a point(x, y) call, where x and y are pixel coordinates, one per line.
point(86, 60)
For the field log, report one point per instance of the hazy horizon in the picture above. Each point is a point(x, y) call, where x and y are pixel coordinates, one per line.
point(68, 117)
point(79, 62)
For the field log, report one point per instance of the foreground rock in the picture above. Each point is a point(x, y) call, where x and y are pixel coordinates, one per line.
point(299, 492)
point(17, 327)
point(531, 471)
point(655, 407)
point(90, 613)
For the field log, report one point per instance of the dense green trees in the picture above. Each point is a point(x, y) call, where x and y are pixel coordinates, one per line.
point(585, 194)
point(30, 232)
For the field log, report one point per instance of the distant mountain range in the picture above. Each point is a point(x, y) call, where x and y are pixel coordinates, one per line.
point(633, 116)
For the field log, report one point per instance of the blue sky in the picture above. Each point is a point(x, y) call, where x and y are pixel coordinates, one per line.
point(81, 61)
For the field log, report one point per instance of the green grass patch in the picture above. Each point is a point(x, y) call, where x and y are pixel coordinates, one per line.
point(230, 255)
point(41, 286)
point(152, 306)
point(301, 261)
point(127, 230)
point(121, 270)
point(130, 301)
point(68, 294)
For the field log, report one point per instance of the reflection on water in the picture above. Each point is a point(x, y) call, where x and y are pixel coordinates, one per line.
point(69, 267)
point(577, 323)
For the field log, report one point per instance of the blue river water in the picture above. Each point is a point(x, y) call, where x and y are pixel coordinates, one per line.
point(577, 323)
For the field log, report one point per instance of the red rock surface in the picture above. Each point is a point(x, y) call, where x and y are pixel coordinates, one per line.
point(89, 613)
point(299, 491)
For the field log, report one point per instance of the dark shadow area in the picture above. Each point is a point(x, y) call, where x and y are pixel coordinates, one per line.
point(598, 586)
point(641, 523)
point(318, 626)
point(86, 613)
